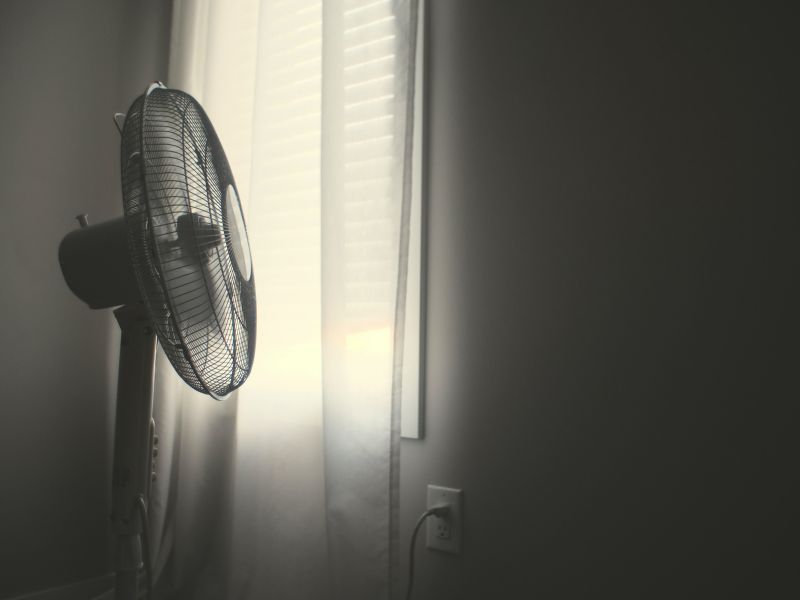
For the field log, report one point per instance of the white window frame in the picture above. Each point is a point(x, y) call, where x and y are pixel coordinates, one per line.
point(412, 419)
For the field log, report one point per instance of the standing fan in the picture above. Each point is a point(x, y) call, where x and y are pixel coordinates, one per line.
point(178, 265)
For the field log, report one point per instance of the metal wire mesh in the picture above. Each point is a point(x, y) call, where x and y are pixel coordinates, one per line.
point(174, 181)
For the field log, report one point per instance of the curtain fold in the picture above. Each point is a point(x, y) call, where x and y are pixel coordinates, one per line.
point(367, 89)
point(289, 490)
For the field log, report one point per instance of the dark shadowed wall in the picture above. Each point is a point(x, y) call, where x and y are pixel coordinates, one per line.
point(65, 68)
point(613, 265)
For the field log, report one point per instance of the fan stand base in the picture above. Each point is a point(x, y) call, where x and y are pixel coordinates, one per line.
point(133, 443)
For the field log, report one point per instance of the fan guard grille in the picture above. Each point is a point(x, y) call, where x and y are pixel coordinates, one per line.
point(175, 178)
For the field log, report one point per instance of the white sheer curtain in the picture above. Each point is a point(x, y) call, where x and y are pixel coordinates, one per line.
point(290, 490)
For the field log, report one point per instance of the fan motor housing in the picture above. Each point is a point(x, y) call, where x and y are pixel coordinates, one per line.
point(97, 266)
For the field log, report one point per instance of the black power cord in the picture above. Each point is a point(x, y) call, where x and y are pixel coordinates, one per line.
point(436, 511)
point(148, 569)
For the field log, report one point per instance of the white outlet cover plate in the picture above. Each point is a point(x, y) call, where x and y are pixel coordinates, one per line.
point(437, 496)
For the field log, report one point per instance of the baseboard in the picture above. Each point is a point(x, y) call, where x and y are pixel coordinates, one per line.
point(96, 588)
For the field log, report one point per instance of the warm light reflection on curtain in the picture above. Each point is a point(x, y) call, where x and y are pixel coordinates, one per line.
point(309, 99)
point(284, 217)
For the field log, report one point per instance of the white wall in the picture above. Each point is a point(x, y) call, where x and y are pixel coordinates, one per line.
point(612, 278)
point(65, 68)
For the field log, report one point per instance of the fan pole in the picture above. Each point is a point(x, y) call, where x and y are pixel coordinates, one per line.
point(133, 443)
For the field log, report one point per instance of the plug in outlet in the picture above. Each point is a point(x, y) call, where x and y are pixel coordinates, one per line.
point(445, 533)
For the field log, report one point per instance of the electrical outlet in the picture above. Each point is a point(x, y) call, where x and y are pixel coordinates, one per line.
point(445, 533)
point(442, 529)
